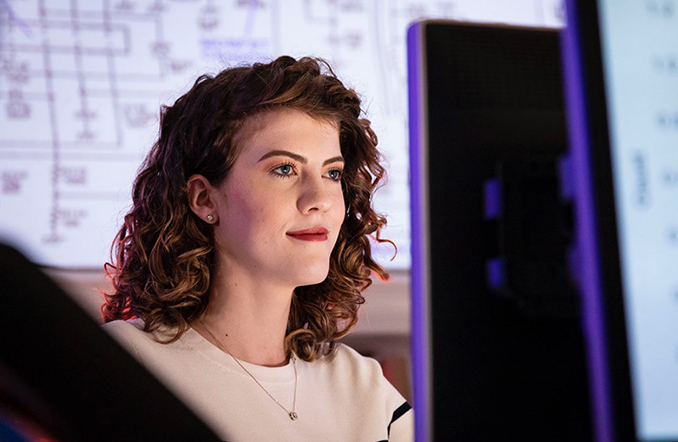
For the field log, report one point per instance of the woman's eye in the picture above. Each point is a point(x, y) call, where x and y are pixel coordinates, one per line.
point(335, 174)
point(284, 170)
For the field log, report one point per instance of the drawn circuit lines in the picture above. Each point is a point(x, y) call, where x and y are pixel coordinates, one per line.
point(80, 88)
point(81, 84)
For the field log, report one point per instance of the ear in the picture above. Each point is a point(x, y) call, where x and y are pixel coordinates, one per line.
point(201, 198)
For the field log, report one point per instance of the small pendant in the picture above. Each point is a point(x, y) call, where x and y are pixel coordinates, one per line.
point(293, 415)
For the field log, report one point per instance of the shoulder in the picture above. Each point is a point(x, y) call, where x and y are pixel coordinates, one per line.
point(132, 330)
point(131, 335)
point(123, 326)
point(345, 366)
point(361, 375)
point(362, 378)
point(346, 359)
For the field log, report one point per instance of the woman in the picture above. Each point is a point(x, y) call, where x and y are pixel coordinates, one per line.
point(244, 255)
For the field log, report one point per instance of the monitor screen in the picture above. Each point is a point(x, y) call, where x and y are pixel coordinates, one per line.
point(640, 65)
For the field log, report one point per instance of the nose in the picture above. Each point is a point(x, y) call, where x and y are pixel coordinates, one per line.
point(314, 195)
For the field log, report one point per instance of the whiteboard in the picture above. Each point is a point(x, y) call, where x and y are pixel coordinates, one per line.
point(81, 84)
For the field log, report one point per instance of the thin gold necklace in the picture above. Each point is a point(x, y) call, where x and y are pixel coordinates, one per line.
point(292, 414)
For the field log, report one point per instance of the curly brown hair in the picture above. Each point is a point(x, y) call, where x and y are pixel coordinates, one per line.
point(162, 257)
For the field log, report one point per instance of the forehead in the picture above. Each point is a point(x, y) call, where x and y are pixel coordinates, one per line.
point(289, 128)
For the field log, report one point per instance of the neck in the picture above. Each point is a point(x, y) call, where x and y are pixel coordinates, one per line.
point(248, 318)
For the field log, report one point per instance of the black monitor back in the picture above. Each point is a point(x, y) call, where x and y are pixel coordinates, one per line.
point(498, 351)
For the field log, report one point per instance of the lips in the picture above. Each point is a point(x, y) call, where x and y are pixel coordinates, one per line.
point(313, 234)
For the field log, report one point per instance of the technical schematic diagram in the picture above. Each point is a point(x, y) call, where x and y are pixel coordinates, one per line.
point(81, 85)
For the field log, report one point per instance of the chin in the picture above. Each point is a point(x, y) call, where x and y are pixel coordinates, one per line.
point(313, 276)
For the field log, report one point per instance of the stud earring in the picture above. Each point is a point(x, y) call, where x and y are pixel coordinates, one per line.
point(210, 219)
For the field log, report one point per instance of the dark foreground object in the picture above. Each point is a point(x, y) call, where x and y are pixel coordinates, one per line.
point(61, 373)
point(498, 346)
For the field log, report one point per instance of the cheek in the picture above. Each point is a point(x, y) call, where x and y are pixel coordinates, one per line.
point(339, 209)
point(339, 201)
point(241, 210)
point(260, 213)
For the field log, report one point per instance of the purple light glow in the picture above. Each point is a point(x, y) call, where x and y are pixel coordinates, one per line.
point(420, 277)
point(586, 235)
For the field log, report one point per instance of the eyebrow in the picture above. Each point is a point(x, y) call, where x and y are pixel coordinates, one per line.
point(296, 157)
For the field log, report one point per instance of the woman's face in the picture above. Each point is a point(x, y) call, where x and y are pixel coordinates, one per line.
point(281, 205)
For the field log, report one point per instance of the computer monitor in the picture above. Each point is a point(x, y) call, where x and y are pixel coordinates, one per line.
point(621, 64)
point(497, 344)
